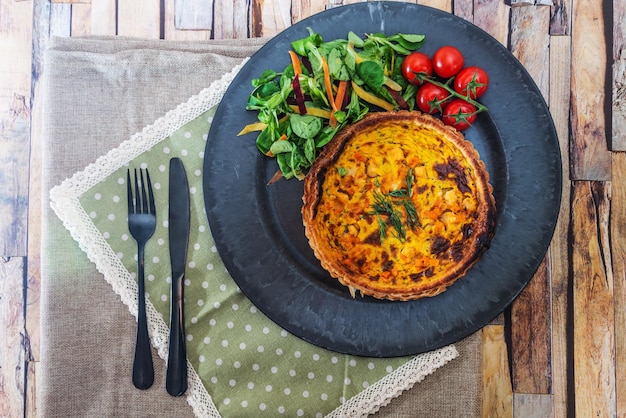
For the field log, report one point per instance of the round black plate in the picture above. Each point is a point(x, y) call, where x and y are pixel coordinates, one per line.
point(258, 228)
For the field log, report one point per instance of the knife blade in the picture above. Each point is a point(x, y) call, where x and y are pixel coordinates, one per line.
point(179, 214)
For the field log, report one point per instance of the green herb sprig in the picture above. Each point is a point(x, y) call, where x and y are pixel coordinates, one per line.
point(387, 205)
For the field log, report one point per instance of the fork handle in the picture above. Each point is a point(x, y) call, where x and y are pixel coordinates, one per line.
point(176, 375)
point(143, 370)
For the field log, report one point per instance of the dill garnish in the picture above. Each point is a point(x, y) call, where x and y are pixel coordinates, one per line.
point(388, 205)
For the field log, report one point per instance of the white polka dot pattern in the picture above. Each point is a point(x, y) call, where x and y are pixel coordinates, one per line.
point(247, 364)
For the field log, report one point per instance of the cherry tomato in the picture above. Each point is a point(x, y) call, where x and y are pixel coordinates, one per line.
point(431, 98)
point(472, 82)
point(416, 66)
point(459, 114)
point(447, 61)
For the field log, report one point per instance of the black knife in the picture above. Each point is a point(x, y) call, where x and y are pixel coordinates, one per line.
point(176, 376)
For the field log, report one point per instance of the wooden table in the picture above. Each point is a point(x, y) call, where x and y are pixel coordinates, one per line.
point(560, 350)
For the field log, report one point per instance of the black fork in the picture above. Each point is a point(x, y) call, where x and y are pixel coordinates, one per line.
point(141, 224)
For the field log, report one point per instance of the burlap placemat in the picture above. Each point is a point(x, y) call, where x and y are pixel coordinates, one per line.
point(97, 93)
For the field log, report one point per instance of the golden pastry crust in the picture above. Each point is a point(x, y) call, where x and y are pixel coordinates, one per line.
point(398, 206)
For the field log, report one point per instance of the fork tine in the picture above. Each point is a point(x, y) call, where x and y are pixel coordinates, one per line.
point(150, 194)
point(129, 191)
point(144, 199)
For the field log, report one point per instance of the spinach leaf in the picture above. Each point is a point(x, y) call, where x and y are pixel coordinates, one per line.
point(305, 126)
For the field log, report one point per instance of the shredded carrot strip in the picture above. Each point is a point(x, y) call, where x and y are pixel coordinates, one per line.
point(283, 137)
point(297, 68)
point(341, 92)
point(329, 92)
point(328, 84)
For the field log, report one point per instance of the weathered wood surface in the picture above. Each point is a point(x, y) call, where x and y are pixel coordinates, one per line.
point(497, 392)
point(560, 63)
point(14, 345)
point(594, 324)
point(590, 158)
point(568, 328)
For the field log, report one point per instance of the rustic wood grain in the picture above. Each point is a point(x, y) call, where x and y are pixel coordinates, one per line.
point(12, 349)
point(301, 9)
point(104, 17)
point(60, 19)
point(138, 18)
point(171, 33)
point(81, 19)
point(268, 18)
point(560, 17)
point(560, 60)
point(530, 43)
point(15, 42)
point(618, 91)
point(618, 99)
point(594, 351)
point(493, 17)
point(196, 14)
point(531, 312)
point(464, 9)
point(497, 398)
point(589, 147)
point(230, 20)
point(445, 5)
point(532, 405)
point(531, 335)
point(618, 232)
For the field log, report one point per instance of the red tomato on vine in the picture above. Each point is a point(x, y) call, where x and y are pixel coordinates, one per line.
point(472, 82)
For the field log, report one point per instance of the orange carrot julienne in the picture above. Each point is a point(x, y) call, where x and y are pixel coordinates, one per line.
point(297, 68)
point(283, 137)
point(328, 84)
point(341, 92)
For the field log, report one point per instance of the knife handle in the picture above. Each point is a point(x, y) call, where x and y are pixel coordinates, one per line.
point(176, 375)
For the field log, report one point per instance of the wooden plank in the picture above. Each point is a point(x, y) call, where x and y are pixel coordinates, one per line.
point(593, 338)
point(104, 17)
point(445, 5)
point(493, 17)
point(173, 34)
point(591, 159)
point(60, 19)
point(139, 18)
point(13, 349)
point(193, 14)
point(530, 42)
point(618, 93)
point(531, 338)
point(301, 9)
point(618, 243)
point(531, 320)
point(31, 409)
point(497, 397)
point(16, 43)
point(618, 100)
point(81, 19)
point(268, 18)
point(560, 60)
point(532, 405)
point(230, 20)
point(560, 17)
point(464, 9)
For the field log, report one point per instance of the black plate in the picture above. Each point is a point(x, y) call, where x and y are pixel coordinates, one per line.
point(258, 228)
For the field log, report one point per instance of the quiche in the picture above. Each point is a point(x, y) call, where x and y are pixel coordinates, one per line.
point(398, 206)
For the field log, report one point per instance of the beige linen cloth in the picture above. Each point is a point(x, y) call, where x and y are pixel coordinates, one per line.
point(96, 93)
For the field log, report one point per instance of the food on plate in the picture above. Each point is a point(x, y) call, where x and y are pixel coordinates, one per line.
point(398, 206)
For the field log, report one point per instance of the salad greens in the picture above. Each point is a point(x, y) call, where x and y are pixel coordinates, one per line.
point(326, 86)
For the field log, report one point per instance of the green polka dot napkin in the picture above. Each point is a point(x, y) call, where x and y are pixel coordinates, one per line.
point(240, 362)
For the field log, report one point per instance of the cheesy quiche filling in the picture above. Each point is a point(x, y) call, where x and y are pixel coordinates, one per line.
point(397, 209)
